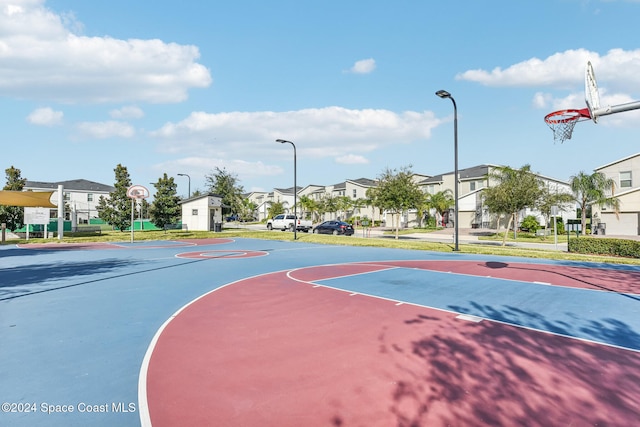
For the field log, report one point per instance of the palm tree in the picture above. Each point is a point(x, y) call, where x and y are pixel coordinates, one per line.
point(343, 204)
point(308, 206)
point(593, 189)
point(441, 202)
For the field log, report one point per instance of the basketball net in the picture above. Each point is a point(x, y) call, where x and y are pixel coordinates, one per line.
point(562, 122)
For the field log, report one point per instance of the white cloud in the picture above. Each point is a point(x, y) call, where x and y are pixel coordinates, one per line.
point(315, 131)
point(45, 117)
point(352, 159)
point(127, 112)
point(104, 130)
point(618, 69)
point(200, 166)
point(244, 142)
point(42, 58)
point(364, 66)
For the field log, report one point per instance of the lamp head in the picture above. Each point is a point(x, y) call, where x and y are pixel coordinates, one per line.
point(443, 94)
point(281, 141)
point(181, 174)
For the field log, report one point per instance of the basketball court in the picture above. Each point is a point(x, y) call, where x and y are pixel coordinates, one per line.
point(245, 332)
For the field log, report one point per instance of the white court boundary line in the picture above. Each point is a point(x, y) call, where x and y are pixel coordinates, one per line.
point(143, 404)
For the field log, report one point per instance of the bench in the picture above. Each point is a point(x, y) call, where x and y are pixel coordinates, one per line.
point(88, 229)
point(175, 227)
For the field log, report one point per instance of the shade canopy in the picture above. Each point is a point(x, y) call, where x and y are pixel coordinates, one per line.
point(29, 199)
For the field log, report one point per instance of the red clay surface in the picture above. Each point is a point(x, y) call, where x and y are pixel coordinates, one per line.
point(271, 351)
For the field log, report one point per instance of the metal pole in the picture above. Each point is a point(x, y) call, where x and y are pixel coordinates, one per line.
point(445, 94)
point(189, 193)
point(295, 187)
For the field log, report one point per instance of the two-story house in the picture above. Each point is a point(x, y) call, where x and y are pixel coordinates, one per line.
point(79, 195)
point(626, 175)
point(473, 213)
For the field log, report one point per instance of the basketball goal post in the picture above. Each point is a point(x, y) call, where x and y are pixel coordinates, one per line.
point(562, 122)
point(136, 193)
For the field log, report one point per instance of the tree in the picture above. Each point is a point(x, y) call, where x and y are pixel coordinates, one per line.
point(165, 209)
point(343, 204)
point(275, 208)
point(247, 210)
point(515, 190)
point(329, 204)
point(441, 202)
point(225, 184)
point(116, 210)
point(308, 206)
point(371, 201)
point(548, 199)
point(593, 189)
point(397, 192)
point(13, 216)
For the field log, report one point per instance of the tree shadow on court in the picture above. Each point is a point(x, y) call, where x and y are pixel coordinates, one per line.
point(610, 331)
point(6, 253)
point(37, 278)
point(488, 373)
point(614, 278)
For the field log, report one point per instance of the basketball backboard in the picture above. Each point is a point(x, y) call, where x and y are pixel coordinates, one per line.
point(591, 96)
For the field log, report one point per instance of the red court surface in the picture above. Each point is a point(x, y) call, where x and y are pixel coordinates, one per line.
point(278, 350)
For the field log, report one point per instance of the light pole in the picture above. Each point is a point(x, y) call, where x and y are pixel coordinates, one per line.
point(295, 187)
point(184, 174)
point(445, 94)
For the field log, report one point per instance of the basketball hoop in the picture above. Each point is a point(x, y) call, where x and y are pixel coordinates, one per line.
point(562, 122)
point(137, 192)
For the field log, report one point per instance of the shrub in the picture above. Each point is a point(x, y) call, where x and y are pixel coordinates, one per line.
point(600, 246)
point(530, 223)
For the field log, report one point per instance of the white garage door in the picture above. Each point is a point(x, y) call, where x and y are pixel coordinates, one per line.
point(625, 225)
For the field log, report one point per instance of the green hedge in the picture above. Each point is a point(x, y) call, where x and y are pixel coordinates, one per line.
point(603, 246)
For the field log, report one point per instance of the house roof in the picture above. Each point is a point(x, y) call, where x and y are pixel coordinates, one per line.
point(74, 184)
point(617, 161)
point(365, 182)
point(474, 172)
point(200, 196)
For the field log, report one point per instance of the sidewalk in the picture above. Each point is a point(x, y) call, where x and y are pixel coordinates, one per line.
point(467, 236)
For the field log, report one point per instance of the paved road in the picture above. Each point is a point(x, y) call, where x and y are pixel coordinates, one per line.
point(467, 236)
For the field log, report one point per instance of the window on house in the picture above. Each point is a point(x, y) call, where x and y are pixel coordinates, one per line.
point(66, 196)
point(194, 212)
point(89, 197)
point(472, 185)
point(625, 179)
point(355, 193)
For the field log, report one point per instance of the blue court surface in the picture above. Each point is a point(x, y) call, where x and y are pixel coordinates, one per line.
point(76, 323)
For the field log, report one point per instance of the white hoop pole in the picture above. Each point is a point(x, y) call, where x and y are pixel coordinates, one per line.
point(620, 108)
point(132, 223)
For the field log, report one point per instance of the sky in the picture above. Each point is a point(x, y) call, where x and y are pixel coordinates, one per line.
point(185, 87)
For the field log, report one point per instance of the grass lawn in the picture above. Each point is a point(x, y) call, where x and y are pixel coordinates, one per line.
point(386, 242)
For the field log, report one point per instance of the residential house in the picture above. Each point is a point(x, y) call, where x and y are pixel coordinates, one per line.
point(80, 196)
point(472, 213)
point(626, 175)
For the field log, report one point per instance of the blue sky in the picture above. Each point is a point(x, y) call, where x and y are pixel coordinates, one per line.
point(186, 86)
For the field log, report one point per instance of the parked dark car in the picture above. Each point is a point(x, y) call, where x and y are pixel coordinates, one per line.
point(334, 227)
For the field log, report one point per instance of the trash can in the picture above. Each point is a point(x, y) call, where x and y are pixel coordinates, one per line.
point(217, 227)
point(601, 228)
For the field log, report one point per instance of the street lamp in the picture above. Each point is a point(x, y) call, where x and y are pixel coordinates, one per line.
point(295, 187)
point(445, 94)
point(184, 174)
